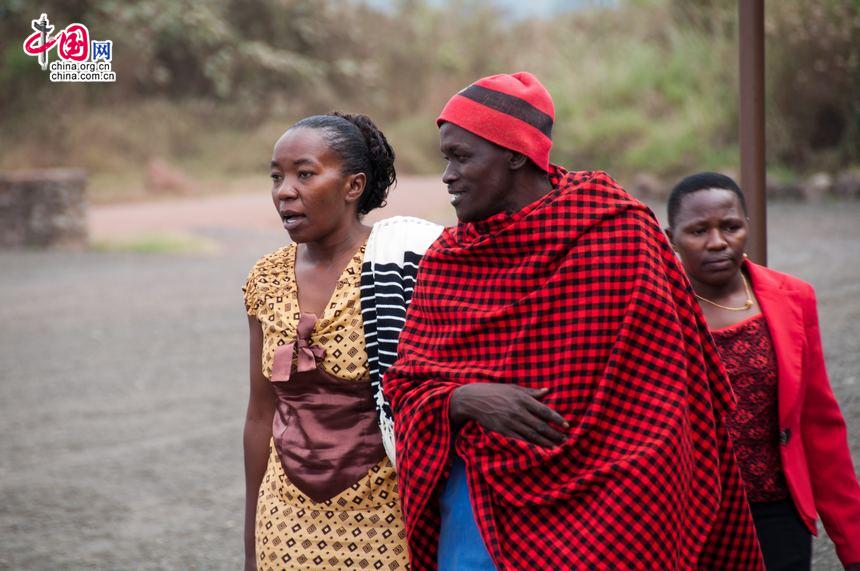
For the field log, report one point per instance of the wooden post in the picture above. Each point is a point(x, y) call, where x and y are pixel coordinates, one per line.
point(751, 59)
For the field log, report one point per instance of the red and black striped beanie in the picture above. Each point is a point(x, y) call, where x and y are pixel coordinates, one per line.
point(511, 110)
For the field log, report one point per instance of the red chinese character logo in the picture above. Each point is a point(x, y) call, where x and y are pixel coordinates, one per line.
point(73, 43)
point(34, 50)
point(43, 35)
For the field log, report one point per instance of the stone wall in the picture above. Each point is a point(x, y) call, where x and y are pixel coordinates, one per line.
point(43, 208)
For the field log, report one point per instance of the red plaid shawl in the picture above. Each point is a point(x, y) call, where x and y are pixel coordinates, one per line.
point(580, 292)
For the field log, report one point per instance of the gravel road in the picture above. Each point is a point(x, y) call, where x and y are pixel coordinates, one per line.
point(123, 378)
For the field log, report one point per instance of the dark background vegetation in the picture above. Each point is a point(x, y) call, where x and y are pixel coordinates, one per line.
point(639, 85)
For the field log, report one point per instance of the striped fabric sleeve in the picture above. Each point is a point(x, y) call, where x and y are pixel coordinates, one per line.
point(388, 274)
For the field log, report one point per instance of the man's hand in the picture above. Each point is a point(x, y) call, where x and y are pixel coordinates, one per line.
point(510, 410)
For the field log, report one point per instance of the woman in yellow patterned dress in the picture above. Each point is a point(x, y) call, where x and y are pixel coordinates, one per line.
point(320, 491)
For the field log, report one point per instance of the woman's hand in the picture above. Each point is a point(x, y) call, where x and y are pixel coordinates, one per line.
point(510, 410)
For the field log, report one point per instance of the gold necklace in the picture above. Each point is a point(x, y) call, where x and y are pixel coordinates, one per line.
point(748, 304)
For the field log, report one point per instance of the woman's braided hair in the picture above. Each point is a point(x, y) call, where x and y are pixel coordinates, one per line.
point(362, 147)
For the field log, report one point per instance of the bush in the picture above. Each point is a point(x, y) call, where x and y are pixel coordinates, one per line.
point(638, 85)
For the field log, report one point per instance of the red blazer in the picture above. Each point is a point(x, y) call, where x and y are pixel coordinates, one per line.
point(815, 454)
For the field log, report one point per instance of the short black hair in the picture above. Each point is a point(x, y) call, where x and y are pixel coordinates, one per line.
point(697, 182)
point(362, 147)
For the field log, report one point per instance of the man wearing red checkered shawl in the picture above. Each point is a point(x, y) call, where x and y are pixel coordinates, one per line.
point(554, 359)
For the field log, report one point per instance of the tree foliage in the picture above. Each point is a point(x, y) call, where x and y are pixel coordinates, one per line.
point(642, 84)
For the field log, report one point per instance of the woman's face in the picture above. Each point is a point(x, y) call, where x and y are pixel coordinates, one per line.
point(311, 194)
point(710, 234)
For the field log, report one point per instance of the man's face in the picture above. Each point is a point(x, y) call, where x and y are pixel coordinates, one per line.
point(478, 175)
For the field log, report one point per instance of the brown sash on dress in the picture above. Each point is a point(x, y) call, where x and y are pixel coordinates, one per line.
point(325, 429)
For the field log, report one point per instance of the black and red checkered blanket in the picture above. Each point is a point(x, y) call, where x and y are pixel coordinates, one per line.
point(579, 292)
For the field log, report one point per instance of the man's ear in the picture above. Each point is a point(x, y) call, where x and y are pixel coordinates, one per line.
point(668, 232)
point(517, 160)
point(355, 186)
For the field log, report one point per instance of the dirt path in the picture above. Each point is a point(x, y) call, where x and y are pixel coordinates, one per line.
point(250, 210)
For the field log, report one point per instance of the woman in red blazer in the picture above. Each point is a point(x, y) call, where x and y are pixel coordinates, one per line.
point(789, 435)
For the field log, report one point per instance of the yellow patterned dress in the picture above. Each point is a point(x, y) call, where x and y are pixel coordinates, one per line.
point(362, 526)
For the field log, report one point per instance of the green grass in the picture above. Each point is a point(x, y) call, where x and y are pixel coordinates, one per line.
point(159, 244)
point(651, 97)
